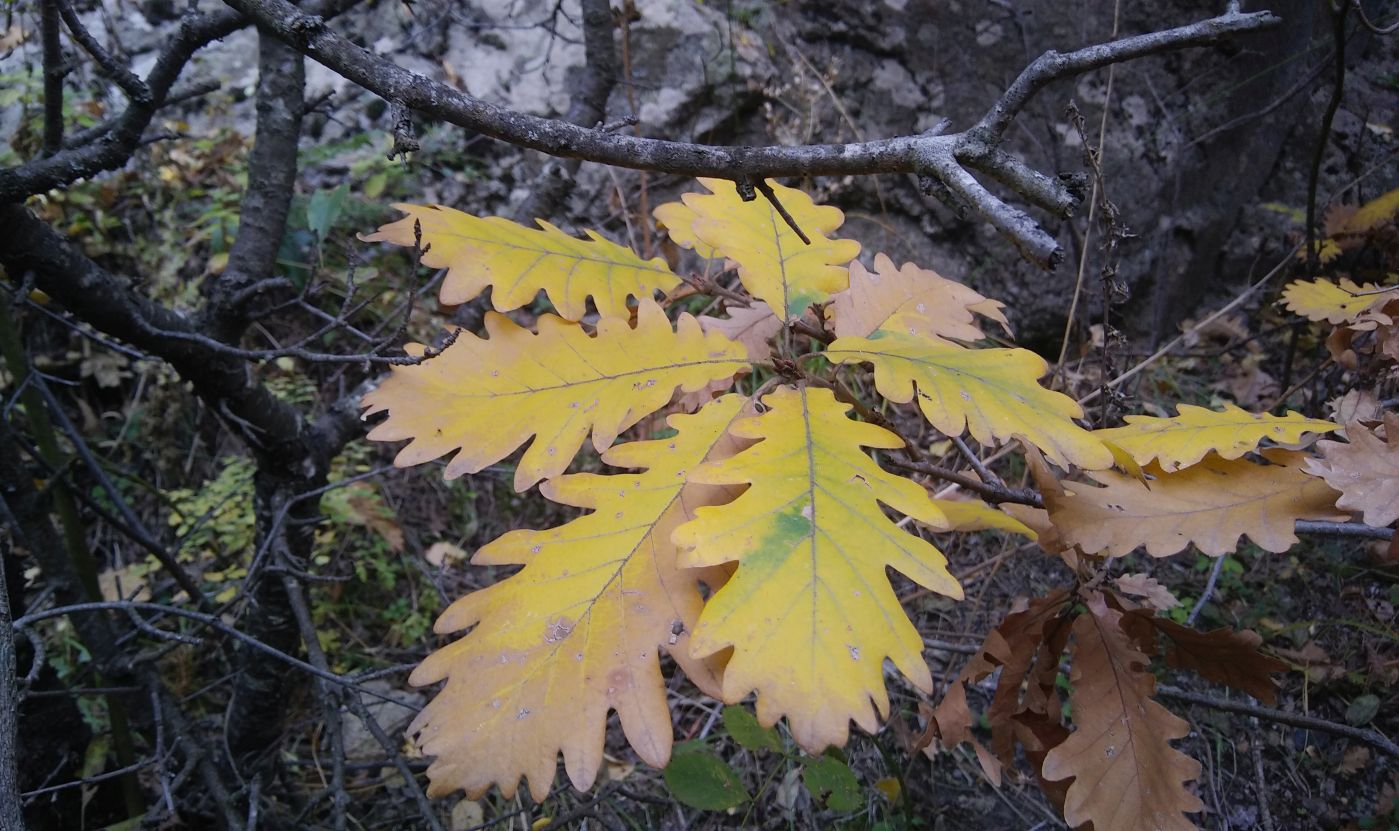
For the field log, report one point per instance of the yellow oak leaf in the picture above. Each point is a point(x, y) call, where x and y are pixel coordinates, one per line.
point(1336, 304)
point(1365, 471)
point(810, 613)
point(975, 515)
point(1126, 776)
point(579, 631)
point(679, 219)
point(994, 393)
point(516, 262)
point(773, 262)
point(915, 300)
point(1373, 213)
point(1210, 504)
point(484, 397)
point(1183, 440)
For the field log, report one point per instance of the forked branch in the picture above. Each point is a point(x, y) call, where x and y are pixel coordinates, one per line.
point(937, 157)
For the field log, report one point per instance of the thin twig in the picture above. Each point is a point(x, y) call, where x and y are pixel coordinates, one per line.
point(765, 188)
point(1370, 737)
point(990, 492)
point(134, 527)
point(1176, 341)
point(401, 764)
point(1365, 20)
point(10, 815)
point(84, 782)
point(1093, 156)
point(331, 699)
point(1343, 529)
point(975, 461)
point(351, 681)
point(1207, 593)
point(1255, 749)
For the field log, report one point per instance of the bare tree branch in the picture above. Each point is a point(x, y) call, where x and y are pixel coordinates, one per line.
point(937, 156)
point(135, 527)
point(80, 610)
point(588, 108)
point(332, 698)
point(1371, 737)
point(262, 219)
point(10, 817)
point(134, 87)
point(54, 70)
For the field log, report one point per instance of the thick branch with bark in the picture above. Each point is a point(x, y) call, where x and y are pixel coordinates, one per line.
point(940, 157)
point(10, 816)
point(54, 71)
point(262, 219)
point(588, 108)
point(29, 246)
point(292, 456)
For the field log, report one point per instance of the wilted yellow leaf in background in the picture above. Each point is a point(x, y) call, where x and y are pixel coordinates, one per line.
point(810, 613)
point(467, 814)
point(443, 554)
point(12, 37)
point(485, 397)
point(993, 393)
point(1186, 438)
point(578, 632)
point(1378, 210)
point(517, 262)
point(773, 262)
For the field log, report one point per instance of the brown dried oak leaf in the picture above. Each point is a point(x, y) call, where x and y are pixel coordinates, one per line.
point(1210, 504)
point(1126, 776)
point(1365, 471)
point(1224, 656)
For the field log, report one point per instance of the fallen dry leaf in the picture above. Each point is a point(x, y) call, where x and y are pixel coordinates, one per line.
point(1356, 405)
point(1356, 759)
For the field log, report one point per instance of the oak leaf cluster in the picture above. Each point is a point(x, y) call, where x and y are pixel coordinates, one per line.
point(754, 542)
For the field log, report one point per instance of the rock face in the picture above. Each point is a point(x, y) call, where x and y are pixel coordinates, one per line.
point(1192, 142)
